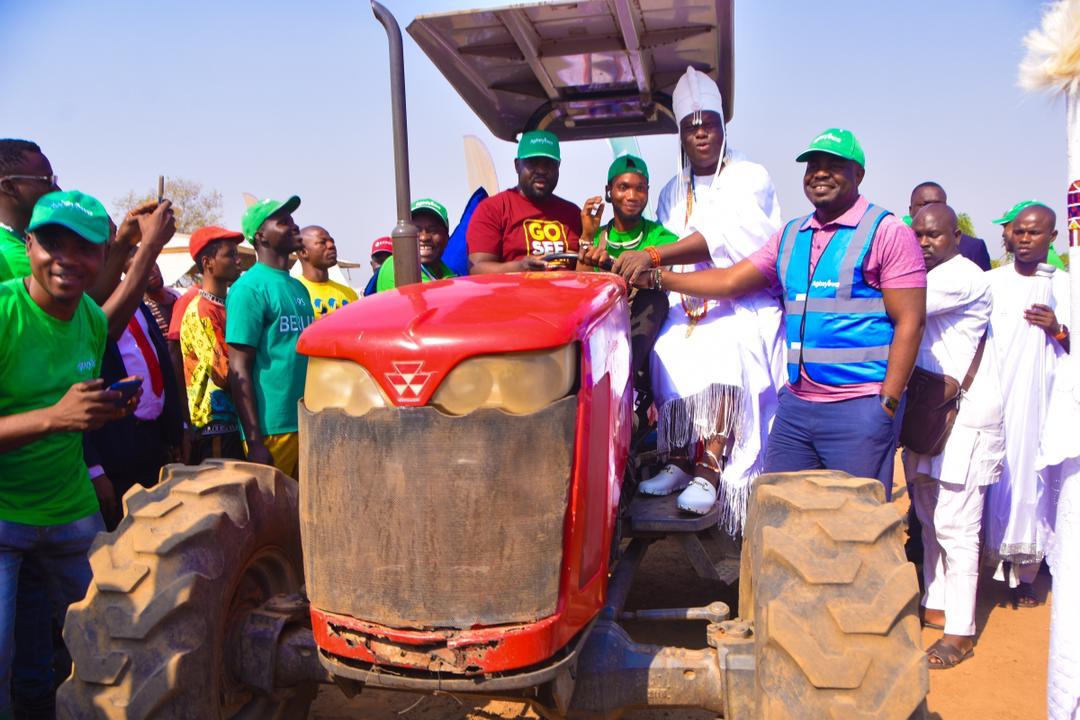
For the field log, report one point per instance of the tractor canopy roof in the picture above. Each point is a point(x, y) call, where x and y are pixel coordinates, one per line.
point(583, 70)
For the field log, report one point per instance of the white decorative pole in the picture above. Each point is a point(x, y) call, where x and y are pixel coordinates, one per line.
point(1053, 63)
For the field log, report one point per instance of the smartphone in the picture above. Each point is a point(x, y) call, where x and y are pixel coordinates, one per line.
point(160, 188)
point(127, 387)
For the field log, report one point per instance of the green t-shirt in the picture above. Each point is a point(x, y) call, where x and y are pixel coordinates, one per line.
point(386, 274)
point(648, 234)
point(268, 310)
point(45, 482)
point(13, 260)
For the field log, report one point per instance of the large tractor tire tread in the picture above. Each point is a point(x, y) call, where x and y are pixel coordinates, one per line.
point(833, 599)
point(147, 641)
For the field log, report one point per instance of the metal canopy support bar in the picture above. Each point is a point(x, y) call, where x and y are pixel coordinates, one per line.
point(525, 36)
point(631, 32)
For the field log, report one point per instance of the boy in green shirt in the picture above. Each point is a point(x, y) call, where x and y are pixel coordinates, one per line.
point(54, 338)
point(432, 233)
point(266, 310)
point(25, 175)
point(628, 192)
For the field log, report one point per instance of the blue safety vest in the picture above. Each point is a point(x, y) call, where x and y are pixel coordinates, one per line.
point(836, 325)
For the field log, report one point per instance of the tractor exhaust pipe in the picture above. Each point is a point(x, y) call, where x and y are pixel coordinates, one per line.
point(406, 251)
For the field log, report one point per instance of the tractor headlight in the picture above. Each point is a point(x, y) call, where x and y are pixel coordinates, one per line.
point(518, 383)
point(341, 384)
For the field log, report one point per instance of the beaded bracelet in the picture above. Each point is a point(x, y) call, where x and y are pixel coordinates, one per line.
point(654, 255)
point(658, 278)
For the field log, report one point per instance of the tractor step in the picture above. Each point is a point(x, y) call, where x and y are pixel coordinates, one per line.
point(649, 515)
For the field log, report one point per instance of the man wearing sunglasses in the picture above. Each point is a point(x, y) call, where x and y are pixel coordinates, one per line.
point(25, 175)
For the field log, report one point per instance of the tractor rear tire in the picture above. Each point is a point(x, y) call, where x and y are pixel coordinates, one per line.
point(833, 599)
point(191, 555)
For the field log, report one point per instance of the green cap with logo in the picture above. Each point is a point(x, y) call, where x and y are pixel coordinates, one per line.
point(432, 206)
point(539, 143)
point(256, 215)
point(1015, 210)
point(628, 163)
point(78, 212)
point(836, 141)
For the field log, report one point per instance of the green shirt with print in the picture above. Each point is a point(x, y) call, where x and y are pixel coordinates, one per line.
point(13, 260)
point(45, 482)
point(386, 274)
point(647, 234)
point(267, 310)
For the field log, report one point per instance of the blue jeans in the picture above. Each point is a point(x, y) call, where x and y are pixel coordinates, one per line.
point(60, 551)
point(856, 436)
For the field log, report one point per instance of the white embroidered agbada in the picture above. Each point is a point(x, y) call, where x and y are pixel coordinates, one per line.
point(732, 359)
point(1019, 509)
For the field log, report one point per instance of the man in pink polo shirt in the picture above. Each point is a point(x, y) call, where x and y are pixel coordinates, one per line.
point(852, 280)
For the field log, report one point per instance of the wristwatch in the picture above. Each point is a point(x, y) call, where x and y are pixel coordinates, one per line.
point(1062, 333)
point(889, 403)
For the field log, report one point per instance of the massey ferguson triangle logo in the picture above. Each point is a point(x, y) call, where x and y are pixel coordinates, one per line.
point(407, 379)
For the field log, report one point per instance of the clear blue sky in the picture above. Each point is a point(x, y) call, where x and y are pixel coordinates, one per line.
point(276, 98)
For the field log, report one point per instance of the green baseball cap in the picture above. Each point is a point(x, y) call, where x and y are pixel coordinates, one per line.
point(1015, 210)
point(628, 163)
point(78, 212)
point(836, 141)
point(539, 143)
point(256, 215)
point(431, 206)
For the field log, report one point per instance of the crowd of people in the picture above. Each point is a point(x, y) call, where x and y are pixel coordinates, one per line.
point(757, 346)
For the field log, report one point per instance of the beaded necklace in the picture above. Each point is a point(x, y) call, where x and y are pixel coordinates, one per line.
point(695, 308)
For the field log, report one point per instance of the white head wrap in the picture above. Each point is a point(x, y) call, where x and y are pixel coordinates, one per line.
point(696, 92)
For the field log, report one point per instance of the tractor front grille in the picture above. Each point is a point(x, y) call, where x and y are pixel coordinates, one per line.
point(415, 519)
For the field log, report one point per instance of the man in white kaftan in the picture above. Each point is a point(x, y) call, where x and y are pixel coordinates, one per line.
point(1031, 311)
point(717, 365)
point(948, 489)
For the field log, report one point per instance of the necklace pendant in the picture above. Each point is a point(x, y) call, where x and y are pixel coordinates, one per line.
point(693, 321)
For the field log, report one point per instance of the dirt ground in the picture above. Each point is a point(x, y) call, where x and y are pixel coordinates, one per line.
point(1004, 680)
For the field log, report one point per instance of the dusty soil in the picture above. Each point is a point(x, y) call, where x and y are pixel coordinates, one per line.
point(1004, 680)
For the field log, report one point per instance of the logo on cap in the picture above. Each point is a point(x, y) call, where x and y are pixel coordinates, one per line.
point(827, 136)
point(408, 379)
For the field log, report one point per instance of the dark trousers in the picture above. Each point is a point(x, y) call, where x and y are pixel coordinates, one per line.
point(648, 309)
point(855, 436)
point(225, 445)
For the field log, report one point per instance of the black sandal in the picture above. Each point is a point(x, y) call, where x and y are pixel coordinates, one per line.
point(1023, 596)
point(947, 656)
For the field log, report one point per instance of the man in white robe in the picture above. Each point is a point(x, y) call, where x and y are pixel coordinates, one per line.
point(948, 489)
point(717, 365)
point(1029, 329)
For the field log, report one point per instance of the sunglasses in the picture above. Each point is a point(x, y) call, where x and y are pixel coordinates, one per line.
point(51, 179)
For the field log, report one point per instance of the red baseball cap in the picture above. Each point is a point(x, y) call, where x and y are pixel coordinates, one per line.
point(382, 245)
point(206, 235)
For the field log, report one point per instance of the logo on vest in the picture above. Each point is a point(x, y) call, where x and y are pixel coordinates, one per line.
point(408, 379)
point(834, 284)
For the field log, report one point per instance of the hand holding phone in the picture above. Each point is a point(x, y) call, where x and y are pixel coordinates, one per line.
point(127, 387)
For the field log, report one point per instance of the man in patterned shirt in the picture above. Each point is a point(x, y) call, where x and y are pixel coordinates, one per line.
point(202, 345)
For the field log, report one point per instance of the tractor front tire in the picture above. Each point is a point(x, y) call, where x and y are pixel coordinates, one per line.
point(833, 599)
point(170, 583)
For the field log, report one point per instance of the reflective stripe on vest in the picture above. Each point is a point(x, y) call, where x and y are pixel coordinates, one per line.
point(837, 329)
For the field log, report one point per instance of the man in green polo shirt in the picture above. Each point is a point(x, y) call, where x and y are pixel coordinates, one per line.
point(54, 338)
point(432, 233)
point(627, 190)
point(25, 175)
point(265, 311)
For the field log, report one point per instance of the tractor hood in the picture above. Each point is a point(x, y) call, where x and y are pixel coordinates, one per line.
point(595, 69)
point(439, 324)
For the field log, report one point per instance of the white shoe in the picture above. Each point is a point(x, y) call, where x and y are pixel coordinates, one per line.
point(671, 479)
point(698, 498)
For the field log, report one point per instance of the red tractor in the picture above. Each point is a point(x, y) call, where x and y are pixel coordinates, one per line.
point(465, 519)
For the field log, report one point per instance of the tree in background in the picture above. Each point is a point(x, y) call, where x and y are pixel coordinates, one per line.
point(965, 225)
point(194, 206)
